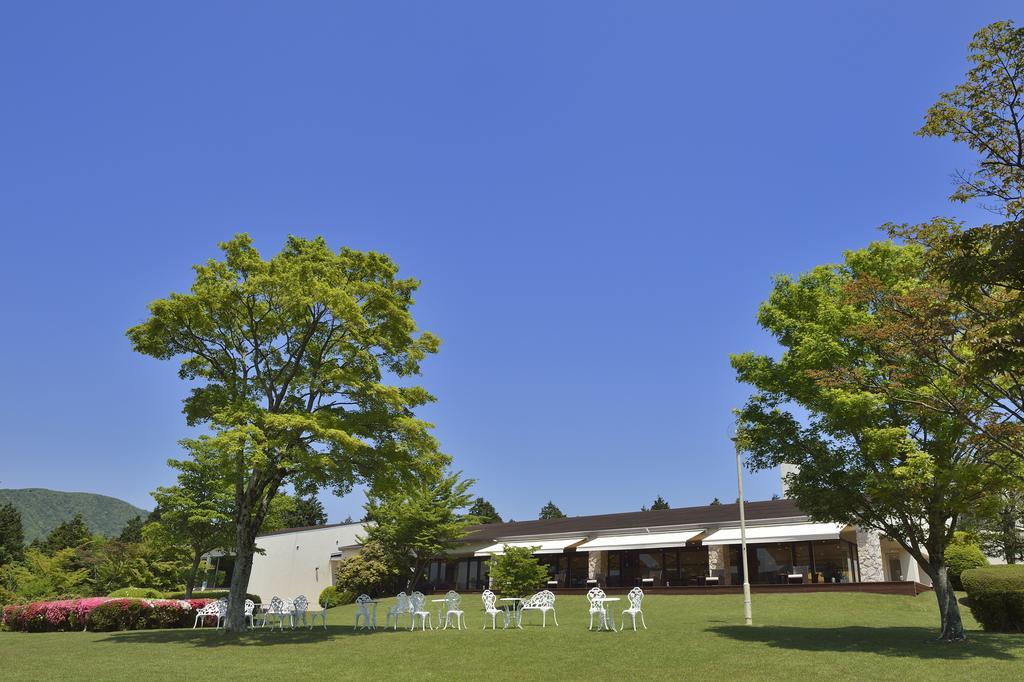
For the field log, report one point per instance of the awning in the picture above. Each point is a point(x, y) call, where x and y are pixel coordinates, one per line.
point(542, 546)
point(790, 532)
point(641, 541)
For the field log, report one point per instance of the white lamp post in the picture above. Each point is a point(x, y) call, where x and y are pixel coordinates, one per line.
point(747, 617)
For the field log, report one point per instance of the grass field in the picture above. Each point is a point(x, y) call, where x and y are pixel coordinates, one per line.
point(691, 637)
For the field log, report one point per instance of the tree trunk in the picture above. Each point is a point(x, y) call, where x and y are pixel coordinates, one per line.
point(190, 582)
point(245, 542)
point(949, 608)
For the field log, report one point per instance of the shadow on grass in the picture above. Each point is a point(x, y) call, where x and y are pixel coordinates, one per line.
point(886, 641)
point(211, 637)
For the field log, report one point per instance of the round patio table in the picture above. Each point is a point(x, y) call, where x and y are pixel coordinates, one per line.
point(439, 602)
point(514, 614)
point(608, 622)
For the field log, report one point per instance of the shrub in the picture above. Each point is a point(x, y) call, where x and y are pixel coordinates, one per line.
point(137, 593)
point(996, 597)
point(517, 572)
point(960, 557)
point(332, 596)
point(372, 571)
point(100, 614)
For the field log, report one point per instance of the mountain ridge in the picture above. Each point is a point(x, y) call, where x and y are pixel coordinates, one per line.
point(43, 509)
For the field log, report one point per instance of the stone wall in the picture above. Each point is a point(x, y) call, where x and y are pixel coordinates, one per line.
point(718, 562)
point(597, 565)
point(869, 554)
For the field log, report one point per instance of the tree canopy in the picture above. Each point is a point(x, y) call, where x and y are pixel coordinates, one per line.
point(12, 534)
point(484, 512)
point(419, 521)
point(550, 511)
point(299, 367)
point(864, 456)
point(659, 503)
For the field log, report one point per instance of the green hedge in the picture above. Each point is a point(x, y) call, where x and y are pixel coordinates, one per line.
point(996, 596)
point(210, 594)
point(137, 593)
point(332, 596)
point(960, 557)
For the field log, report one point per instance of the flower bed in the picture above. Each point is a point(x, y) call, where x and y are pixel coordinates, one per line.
point(101, 614)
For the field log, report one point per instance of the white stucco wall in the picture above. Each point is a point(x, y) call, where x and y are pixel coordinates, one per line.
point(299, 562)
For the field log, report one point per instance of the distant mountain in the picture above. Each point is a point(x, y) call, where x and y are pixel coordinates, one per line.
point(43, 510)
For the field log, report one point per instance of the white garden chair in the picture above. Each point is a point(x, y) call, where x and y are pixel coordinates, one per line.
point(250, 606)
point(215, 609)
point(321, 614)
point(543, 601)
point(418, 610)
point(363, 602)
point(490, 599)
point(278, 609)
point(299, 607)
point(597, 607)
point(452, 604)
point(635, 597)
point(400, 608)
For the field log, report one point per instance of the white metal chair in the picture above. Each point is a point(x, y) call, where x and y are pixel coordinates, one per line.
point(278, 609)
point(596, 607)
point(490, 599)
point(299, 607)
point(215, 609)
point(321, 614)
point(635, 597)
point(250, 606)
point(363, 602)
point(543, 601)
point(452, 607)
point(400, 608)
point(418, 610)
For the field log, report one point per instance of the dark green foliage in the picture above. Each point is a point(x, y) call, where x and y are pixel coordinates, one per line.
point(68, 535)
point(12, 536)
point(960, 557)
point(659, 503)
point(303, 512)
point(137, 593)
point(996, 597)
point(484, 512)
point(43, 510)
point(332, 596)
point(716, 502)
point(132, 531)
point(372, 571)
point(550, 511)
point(517, 573)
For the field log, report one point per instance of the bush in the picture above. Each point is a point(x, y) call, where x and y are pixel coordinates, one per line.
point(100, 614)
point(960, 557)
point(372, 571)
point(210, 595)
point(996, 597)
point(332, 596)
point(137, 593)
point(517, 573)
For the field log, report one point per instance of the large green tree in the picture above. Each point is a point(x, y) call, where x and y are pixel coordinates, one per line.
point(299, 366)
point(303, 512)
point(659, 503)
point(12, 534)
point(864, 457)
point(71, 534)
point(196, 512)
point(419, 521)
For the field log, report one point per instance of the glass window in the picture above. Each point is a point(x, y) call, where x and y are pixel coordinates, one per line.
point(833, 561)
point(650, 565)
point(693, 562)
point(578, 570)
point(670, 567)
point(770, 563)
point(614, 569)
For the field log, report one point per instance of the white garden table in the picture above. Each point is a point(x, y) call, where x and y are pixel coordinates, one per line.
point(439, 603)
point(608, 622)
point(515, 614)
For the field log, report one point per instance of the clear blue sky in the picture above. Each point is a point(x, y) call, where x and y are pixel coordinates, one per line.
point(595, 196)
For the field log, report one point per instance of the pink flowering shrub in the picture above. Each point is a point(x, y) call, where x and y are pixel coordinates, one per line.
point(100, 614)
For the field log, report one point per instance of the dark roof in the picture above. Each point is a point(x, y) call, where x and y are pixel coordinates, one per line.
point(682, 516)
point(299, 529)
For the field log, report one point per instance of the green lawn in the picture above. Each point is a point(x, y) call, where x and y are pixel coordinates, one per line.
point(796, 636)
